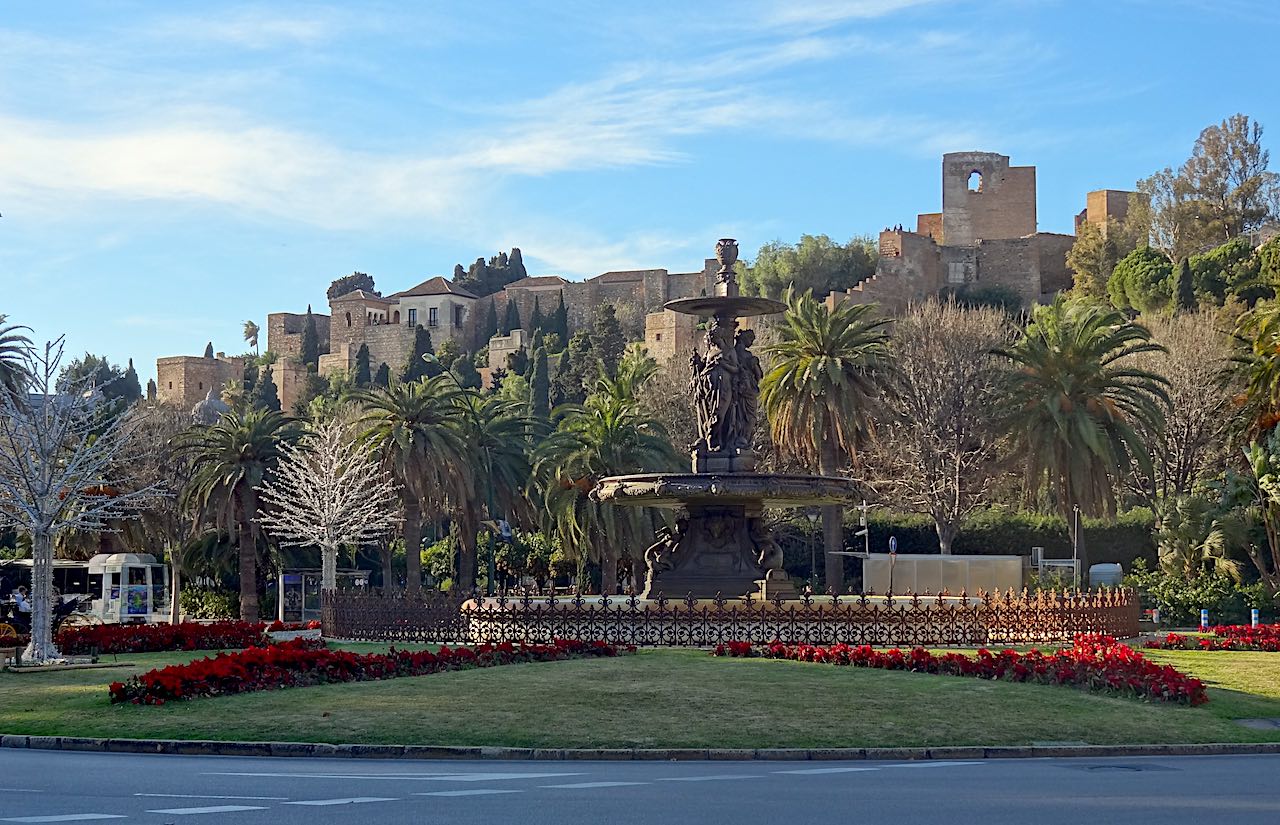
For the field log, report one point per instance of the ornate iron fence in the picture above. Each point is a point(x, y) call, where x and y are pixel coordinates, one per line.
point(935, 621)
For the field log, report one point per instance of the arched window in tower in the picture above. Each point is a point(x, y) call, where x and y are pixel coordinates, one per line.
point(348, 319)
point(975, 181)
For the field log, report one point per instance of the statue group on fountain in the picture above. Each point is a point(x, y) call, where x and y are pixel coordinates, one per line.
point(726, 388)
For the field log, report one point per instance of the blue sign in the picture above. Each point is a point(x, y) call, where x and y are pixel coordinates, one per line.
point(893, 544)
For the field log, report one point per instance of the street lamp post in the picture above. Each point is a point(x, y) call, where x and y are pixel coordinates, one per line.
point(813, 551)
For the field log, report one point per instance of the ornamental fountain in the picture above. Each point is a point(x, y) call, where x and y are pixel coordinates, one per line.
point(721, 543)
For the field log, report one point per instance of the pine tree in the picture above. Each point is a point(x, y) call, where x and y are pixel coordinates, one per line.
point(310, 354)
point(512, 319)
point(363, 376)
point(540, 386)
point(536, 320)
point(560, 320)
point(490, 327)
point(208, 350)
point(1184, 292)
point(578, 368)
point(382, 378)
point(265, 396)
point(129, 388)
point(607, 338)
point(419, 367)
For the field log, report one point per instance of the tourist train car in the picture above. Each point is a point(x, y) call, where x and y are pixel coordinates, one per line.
point(111, 587)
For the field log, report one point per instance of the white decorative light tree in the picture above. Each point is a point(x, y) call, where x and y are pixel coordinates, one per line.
point(58, 471)
point(328, 491)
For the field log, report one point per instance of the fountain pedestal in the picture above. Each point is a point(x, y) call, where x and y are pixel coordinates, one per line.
point(721, 544)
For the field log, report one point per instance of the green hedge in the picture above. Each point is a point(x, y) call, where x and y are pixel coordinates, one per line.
point(990, 532)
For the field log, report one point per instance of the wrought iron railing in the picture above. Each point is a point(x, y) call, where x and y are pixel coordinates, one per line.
point(937, 621)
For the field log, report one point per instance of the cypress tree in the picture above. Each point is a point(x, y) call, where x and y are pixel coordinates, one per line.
point(540, 386)
point(382, 378)
point(363, 374)
point(560, 320)
point(310, 354)
point(607, 338)
point(129, 388)
point(419, 367)
point(208, 350)
point(265, 396)
point(512, 319)
point(151, 390)
point(1184, 292)
point(536, 320)
point(490, 327)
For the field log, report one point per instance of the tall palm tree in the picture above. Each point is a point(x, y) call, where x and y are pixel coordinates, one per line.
point(495, 431)
point(251, 331)
point(417, 429)
point(231, 458)
point(1076, 408)
point(828, 369)
point(14, 347)
point(608, 435)
point(1256, 363)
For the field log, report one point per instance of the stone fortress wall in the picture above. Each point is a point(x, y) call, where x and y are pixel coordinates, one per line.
point(985, 236)
point(183, 381)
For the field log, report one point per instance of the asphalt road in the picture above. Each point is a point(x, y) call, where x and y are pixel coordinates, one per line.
point(50, 786)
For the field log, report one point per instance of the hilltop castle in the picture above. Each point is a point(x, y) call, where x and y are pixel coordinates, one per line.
point(985, 235)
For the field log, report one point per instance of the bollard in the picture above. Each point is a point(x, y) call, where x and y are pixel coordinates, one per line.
point(1253, 616)
point(1204, 620)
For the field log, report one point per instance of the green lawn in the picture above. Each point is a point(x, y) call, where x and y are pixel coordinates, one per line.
point(669, 698)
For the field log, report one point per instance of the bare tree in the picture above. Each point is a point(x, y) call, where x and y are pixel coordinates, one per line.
point(1194, 441)
point(937, 451)
point(327, 491)
point(58, 472)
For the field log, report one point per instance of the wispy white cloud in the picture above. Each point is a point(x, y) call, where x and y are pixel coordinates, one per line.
point(824, 13)
point(251, 27)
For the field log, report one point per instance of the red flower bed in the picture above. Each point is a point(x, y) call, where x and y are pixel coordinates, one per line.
point(150, 638)
point(1093, 663)
point(1264, 637)
point(304, 662)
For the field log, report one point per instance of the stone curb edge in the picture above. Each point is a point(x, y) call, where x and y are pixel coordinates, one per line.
point(295, 749)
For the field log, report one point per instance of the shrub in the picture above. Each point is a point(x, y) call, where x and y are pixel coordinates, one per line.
point(303, 662)
point(149, 638)
point(1180, 599)
point(1094, 662)
point(199, 603)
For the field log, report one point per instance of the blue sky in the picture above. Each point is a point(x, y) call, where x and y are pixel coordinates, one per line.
point(168, 170)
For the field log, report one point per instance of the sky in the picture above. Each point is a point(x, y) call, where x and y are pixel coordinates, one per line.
point(169, 170)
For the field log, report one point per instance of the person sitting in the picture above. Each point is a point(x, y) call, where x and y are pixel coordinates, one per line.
point(21, 601)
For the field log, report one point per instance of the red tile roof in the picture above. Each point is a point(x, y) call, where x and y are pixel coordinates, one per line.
point(435, 286)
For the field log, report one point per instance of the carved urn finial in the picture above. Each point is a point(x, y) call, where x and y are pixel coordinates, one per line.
point(727, 255)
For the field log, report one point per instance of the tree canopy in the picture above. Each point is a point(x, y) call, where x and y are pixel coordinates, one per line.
point(816, 264)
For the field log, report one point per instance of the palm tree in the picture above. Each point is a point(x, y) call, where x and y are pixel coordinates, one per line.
point(231, 460)
point(251, 331)
point(827, 372)
point(495, 431)
point(14, 347)
point(1076, 408)
point(606, 436)
point(1257, 365)
point(416, 427)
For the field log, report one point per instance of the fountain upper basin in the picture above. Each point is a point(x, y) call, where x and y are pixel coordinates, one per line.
point(682, 489)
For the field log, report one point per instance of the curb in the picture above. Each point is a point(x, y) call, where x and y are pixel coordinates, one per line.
point(299, 749)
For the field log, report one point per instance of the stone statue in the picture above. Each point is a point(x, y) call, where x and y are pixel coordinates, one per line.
point(715, 379)
point(209, 411)
point(768, 553)
point(658, 556)
point(727, 256)
point(748, 387)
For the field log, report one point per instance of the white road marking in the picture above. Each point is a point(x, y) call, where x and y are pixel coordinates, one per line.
point(21, 790)
point(334, 775)
point(351, 800)
point(597, 784)
point(709, 778)
point(62, 818)
point(472, 792)
point(495, 777)
point(212, 796)
point(931, 764)
point(208, 809)
point(829, 770)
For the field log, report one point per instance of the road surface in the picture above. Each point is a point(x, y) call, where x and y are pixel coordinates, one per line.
point(52, 786)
